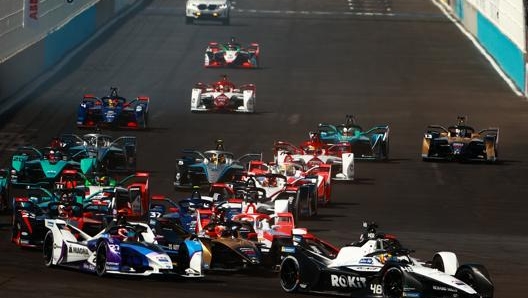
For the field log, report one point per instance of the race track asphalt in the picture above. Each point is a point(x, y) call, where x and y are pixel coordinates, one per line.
point(407, 66)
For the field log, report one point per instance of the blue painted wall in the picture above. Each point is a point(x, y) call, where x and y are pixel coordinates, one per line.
point(504, 51)
point(68, 37)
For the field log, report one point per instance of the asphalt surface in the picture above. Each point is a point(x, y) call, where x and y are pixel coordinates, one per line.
point(387, 62)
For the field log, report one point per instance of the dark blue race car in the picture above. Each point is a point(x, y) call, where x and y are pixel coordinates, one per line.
point(113, 111)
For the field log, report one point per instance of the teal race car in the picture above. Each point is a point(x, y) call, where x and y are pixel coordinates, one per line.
point(372, 144)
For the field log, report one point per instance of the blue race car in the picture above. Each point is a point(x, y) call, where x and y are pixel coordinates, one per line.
point(369, 144)
point(113, 111)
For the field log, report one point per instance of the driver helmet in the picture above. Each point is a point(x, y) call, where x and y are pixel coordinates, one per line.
point(112, 103)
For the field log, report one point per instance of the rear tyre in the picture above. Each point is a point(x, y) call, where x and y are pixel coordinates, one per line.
point(290, 275)
point(47, 249)
point(392, 283)
point(100, 259)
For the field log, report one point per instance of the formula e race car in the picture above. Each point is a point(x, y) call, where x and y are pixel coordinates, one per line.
point(369, 144)
point(111, 155)
point(121, 248)
point(223, 95)
point(30, 166)
point(38, 204)
point(378, 266)
point(460, 142)
point(198, 168)
point(232, 54)
point(113, 111)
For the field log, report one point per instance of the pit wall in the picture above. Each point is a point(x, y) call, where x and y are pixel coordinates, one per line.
point(35, 35)
point(499, 26)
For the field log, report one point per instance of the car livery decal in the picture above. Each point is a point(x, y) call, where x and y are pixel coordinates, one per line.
point(346, 281)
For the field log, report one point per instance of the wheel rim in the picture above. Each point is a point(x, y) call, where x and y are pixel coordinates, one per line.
point(289, 276)
point(393, 283)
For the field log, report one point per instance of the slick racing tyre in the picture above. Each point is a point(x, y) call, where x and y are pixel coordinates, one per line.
point(290, 278)
point(183, 259)
point(47, 249)
point(392, 283)
point(100, 259)
point(477, 277)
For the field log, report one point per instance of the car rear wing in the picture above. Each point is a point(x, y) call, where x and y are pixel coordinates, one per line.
point(490, 133)
point(379, 129)
point(90, 98)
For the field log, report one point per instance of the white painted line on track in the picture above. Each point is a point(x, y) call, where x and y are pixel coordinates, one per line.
point(480, 48)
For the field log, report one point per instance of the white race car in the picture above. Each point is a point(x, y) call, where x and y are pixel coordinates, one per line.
point(224, 96)
point(377, 266)
point(207, 10)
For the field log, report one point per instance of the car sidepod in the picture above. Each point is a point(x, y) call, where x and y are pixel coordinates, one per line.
point(143, 258)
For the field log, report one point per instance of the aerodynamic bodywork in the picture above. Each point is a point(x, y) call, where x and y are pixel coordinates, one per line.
point(121, 248)
point(198, 168)
point(111, 155)
point(232, 54)
point(223, 96)
point(365, 144)
point(113, 111)
point(460, 142)
point(378, 266)
point(30, 166)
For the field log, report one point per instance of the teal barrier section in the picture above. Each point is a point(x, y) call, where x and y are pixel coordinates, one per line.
point(68, 37)
point(459, 9)
point(509, 57)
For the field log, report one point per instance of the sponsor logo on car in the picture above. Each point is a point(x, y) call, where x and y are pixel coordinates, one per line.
point(78, 250)
point(347, 281)
point(366, 261)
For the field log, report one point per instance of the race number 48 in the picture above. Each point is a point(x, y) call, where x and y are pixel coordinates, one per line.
point(376, 289)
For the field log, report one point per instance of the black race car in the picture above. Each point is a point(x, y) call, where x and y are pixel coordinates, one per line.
point(378, 266)
point(460, 142)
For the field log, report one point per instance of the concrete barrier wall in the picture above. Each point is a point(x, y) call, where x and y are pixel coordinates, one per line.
point(29, 47)
point(500, 27)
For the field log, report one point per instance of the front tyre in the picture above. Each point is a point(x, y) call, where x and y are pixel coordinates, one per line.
point(290, 275)
point(184, 261)
point(47, 249)
point(100, 259)
point(477, 277)
point(392, 283)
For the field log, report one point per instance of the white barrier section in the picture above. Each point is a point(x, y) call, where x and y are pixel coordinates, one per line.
point(25, 22)
point(507, 16)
